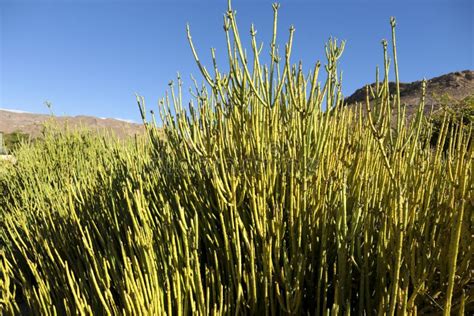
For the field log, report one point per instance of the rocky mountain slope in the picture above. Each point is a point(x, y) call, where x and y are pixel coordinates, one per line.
point(32, 124)
point(458, 85)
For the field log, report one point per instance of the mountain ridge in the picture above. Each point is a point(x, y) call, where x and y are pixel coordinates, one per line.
point(458, 85)
point(32, 123)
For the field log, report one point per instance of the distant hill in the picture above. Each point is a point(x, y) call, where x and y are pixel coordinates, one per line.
point(458, 85)
point(29, 123)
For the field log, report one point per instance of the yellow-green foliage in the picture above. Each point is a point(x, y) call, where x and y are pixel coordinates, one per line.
point(259, 201)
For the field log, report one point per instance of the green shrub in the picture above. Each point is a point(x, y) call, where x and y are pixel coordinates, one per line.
point(460, 113)
point(256, 202)
point(13, 140)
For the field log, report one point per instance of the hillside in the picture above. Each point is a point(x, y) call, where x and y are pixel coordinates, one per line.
point(458, 85)
point(32, 124)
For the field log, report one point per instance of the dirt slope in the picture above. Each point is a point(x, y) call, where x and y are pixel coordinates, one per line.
point(458, 85)
point(32, 124)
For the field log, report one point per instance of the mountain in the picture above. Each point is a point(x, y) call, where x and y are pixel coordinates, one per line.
point(458, 85)
point(32, 124)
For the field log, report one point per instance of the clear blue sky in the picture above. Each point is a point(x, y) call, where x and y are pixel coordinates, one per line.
point(90, 57)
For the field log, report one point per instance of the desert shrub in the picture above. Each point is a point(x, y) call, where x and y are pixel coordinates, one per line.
point(460, 112)
point(13, 140)
point(264, 196)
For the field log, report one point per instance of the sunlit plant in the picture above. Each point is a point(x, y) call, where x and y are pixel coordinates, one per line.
point(265, 196)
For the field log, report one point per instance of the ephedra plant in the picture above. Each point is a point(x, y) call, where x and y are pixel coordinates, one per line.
point(265, 196)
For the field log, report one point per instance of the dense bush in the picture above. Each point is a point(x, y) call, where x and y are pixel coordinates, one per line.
point(460, 112)
point(257, 201)
point(13, 140)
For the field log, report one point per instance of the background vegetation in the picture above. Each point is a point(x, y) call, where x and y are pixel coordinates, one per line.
point(13, 140)
point(461, 113)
